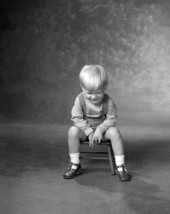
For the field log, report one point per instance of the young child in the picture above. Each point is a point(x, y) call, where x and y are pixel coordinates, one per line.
point(93, 121)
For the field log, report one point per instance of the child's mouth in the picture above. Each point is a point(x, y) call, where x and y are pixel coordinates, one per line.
point(95, 101)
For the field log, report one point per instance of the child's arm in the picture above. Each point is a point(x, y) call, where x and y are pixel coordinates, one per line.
point(111, 117)
point(77, 118)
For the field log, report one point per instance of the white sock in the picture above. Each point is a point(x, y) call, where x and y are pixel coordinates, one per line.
point(75, 159)
point(119, 160)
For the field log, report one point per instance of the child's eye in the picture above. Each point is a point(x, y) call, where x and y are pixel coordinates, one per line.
point(89, 93)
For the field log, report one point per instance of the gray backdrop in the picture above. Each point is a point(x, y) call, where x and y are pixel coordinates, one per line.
point(44, 44)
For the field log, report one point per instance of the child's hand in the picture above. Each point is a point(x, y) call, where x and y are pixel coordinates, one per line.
point(91, 143)
point(97, 136)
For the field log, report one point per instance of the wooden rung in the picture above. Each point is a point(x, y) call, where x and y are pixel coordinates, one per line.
point(94, 152)
point(95, 158)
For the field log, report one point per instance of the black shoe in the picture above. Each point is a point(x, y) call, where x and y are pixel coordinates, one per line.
point(123, 173)
point(72, 173)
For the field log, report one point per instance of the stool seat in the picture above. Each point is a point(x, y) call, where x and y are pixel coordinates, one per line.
point(109, 154)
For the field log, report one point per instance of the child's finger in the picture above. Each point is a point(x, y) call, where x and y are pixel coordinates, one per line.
point(97, 140)
point(93, 139)
point(91, 144)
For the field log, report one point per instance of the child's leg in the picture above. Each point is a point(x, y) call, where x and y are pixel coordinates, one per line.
point(73, 139)
point(73, 144)
point(116, 140)
point(74, 168)
point(114, 136)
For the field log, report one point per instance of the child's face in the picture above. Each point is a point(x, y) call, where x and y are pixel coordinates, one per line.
point(94, 97)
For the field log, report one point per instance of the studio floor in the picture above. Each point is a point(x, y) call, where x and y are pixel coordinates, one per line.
point(34, 157)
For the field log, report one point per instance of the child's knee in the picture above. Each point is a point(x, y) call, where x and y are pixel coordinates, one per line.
point(113, 132)
point(73, 132)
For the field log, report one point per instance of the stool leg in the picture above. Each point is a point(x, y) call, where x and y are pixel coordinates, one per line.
point(112, 165)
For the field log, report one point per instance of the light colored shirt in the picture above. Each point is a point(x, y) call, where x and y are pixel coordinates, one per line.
point(93, 118)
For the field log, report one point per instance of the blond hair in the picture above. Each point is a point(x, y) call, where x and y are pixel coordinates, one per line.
point(93, 77)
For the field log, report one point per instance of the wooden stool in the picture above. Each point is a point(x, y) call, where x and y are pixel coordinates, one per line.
point(109, 153)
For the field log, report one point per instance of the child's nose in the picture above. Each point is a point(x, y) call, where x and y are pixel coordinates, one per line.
point(93, 96)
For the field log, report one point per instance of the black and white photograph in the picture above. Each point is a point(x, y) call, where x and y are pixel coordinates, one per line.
point(84, 106)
